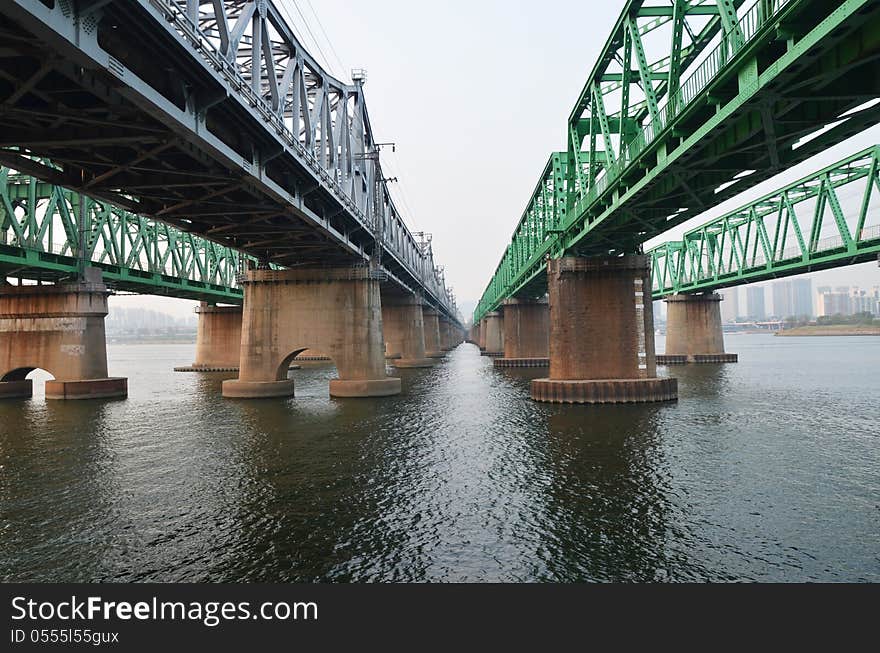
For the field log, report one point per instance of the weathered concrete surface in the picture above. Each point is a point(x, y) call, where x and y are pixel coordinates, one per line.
point(336, 311)
point(88, 389)
point(494, 334)
point(403, 326)
point(601, 333)
point(526, 329)
point(693, 330)
point(218, 339)
point(59, 329)
point(16, 389)
point(431, 322)
point(449, 336)
point(611, 391)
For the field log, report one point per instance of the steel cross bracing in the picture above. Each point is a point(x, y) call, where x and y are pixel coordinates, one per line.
point(43, 237)
point(689, 104)
point(828, 219)
point(208, 115)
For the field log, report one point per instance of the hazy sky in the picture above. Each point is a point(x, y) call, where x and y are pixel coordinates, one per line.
point(476, 96)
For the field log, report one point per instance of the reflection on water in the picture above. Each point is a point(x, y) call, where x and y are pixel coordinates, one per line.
point(763, 470)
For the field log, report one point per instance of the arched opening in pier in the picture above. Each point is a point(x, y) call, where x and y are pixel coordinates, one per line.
point(19, 383)
point(23, 373)
point(298, 357)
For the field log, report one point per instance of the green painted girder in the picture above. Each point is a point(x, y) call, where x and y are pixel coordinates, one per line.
point(802, 227)
point(744, 85)
point(544, 214)
point(41, 231)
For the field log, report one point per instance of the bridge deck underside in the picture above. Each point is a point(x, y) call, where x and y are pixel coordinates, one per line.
point(112, 146)
point(731, 130)
point(165, 137)
point(800, 74)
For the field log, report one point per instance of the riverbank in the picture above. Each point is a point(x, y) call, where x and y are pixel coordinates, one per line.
point(151, 340)
point(832, 330)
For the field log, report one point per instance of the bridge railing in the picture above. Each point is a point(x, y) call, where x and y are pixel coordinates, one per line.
point(732, 43)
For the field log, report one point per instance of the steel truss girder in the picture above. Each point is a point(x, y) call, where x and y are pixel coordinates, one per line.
point(779, 234)
point(235, 61)
point(41, 230)
point(743, 85)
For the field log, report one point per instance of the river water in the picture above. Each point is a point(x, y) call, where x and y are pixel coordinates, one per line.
point(764, 470)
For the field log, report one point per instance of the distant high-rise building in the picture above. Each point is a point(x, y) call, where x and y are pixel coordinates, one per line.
point(783, 306)
point(802, 297)
point(755, 302)
point(659, 309)
point(843, 300)
point(730, 304)
point(793, 298)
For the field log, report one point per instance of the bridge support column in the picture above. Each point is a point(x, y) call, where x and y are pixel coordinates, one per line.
point(433, 333)
point(218, 340)
point(403, 325)
point(693, 330)
point(526, 334)
point(601, 333)
point(455, 336)
point(494, 342)
point(59, 329)
point(334, 311)
point(481, 335)
point(448, 335)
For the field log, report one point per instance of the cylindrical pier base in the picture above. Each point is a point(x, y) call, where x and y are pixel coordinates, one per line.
point(87, 389)
point(526, 333)
point(494, 338)
point(235, 389)
point(433, 339)
point(404, 331)
point(693, 330)
point(610, 391)
point(601, 333)
point(370, 388)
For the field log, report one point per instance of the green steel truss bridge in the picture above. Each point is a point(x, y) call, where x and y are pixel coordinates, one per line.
point(780, 234)
point(689, 104)
point(44, 237)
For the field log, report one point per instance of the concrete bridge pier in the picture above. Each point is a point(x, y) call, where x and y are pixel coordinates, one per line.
point(481, 335)
point(526, 334)
point(218, 339)
point(494, 338)
point(693, 330)
point(474, 335)
point(433, 332)
point(601, 333)
point(333, 311)
point(449, 335)
point(59, 329)
point(404, 329)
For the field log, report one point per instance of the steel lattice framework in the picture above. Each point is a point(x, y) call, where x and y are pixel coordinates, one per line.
point(43, 236)
point(800, 228)
point(689, 104)
point(208, 115)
